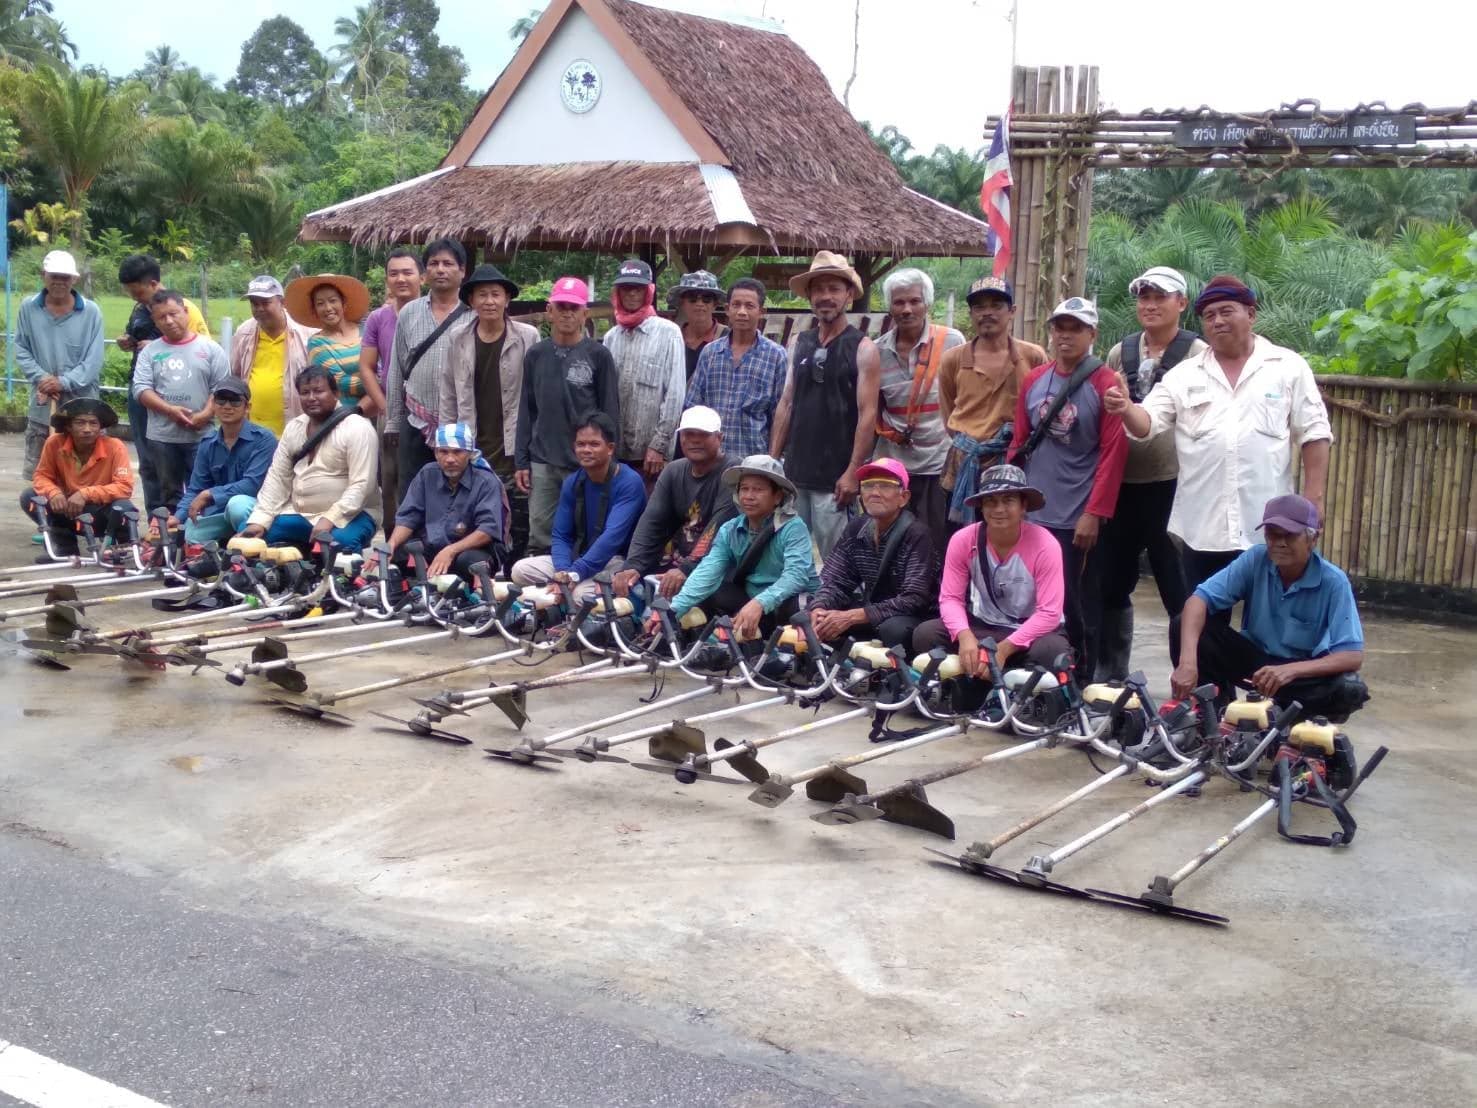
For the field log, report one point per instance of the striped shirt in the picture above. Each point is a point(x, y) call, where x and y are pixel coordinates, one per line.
point(651, 360)
point(414, 402)
point(341, 359)
point(744, 395)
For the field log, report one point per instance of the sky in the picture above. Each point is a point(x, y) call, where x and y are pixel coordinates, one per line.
point(936, 68)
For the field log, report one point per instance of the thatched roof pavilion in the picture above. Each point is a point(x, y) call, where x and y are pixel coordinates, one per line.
point(623, 127)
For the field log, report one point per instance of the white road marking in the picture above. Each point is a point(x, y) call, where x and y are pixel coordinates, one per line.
point(39, 1080)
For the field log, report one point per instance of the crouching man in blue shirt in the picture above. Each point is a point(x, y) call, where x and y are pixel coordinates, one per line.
point(1300, 638)
point(230, 466)
point(454, 507)
point(599, 506)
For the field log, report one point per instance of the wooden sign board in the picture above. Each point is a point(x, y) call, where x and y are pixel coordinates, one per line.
point(1365, 129)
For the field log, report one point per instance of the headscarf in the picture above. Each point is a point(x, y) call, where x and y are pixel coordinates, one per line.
point(1224, 287)
point(641, 314)
point(458, 436)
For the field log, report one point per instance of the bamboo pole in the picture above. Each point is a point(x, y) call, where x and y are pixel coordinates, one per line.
point(1443, 547)
point(1394, 475)
point(1410, 457)
point(1031, 322)
point(1430, 501)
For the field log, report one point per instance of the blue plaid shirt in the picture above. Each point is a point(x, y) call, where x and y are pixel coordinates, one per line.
point(744, 395)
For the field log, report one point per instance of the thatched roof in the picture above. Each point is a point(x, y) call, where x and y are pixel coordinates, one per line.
point(808, 172)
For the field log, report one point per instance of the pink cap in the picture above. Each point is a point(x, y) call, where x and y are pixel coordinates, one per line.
point(884, 467)
point(570, 290)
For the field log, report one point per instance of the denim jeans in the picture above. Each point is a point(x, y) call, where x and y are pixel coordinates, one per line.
point(298, 530)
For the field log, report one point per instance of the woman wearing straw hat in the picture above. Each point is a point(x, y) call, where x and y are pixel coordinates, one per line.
point(1002, 580)
point(334, 304)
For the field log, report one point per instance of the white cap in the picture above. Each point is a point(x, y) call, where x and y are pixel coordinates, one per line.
point(1160, 277)
point(59, 263)
point(700, 418)
point(1076, 307)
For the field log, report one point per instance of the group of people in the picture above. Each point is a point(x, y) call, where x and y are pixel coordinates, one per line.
point(733, 476)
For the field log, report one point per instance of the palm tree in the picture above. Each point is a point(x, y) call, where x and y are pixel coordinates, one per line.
point(80, 127)
point(523, 27)
point(160, 64)
point(266, 214)
point(950, 176)
point(365, 51)
point(1380, 203)
point(192, 95)
point(192, 170)
point(322, 91)
point(1142, 195)
point(30, 36)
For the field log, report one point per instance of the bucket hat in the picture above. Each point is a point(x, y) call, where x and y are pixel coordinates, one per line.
point(759, 465)
point(1006, 478)
point(486, 274)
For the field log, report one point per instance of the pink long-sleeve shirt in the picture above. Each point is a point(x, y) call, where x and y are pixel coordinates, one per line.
point(1029, 581)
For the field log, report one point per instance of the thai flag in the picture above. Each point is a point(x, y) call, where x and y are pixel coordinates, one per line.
point(995, 195)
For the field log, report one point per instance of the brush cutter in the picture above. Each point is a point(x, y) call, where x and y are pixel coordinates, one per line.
point(907, 803)
point(530, 748)
point(435, 709)
point(741, 756)
point(830, 781)
point(672, 741)
point(63, 607)
point(512, 700)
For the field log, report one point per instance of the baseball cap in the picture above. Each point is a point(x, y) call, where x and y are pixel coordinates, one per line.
point(232, 386)
point(889, 469)
point(60, 264)
point(1076, 307)
point(633, 271)
point(570, 290)
point(700, 418)
point(1291, 513)
point(263, 287)
point(1160, 277)
point(999, 286)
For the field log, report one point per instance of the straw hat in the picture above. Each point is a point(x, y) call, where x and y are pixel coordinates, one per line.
point(827, 264)
point(298, 298)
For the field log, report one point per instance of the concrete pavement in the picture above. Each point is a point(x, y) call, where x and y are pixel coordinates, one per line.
point(691, 916)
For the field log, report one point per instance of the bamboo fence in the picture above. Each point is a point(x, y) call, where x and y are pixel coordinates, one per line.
point(1401, 504)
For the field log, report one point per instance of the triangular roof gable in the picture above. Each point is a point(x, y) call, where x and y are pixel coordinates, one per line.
point(502, 92)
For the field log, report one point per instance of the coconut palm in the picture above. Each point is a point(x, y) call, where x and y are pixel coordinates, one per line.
point(31, 36)
point(523, 27)
point(192, 95)
point(365, 51)
point(160, 64)
point(323, 91)
point(79, 126)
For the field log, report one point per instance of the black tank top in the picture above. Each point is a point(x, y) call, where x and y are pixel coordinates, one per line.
point(823, 415)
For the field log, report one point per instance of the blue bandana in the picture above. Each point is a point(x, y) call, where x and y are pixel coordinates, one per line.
point(458, 436)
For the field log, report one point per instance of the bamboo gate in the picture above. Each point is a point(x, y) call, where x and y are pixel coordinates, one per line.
point(1401, 503)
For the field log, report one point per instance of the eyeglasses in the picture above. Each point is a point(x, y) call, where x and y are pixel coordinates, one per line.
point(818, 365)
point(882, 483)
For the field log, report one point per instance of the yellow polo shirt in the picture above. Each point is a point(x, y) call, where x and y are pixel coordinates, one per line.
point(268, 367)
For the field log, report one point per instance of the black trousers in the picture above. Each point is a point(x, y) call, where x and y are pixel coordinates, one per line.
point(107, 521)
point(897, 630)
point(1141, 523)
point(413, 456)
point(732, 596)
point(1200, 567)
point(1082, 609)
point(930, 503)
point(461, 565)
point(1042, 652)
point(1228, 658)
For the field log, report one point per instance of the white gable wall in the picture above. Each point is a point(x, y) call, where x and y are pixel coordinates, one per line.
point(535, 128)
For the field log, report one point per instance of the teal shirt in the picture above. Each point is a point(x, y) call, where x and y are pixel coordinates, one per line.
point(785, 569)
point(70, 348)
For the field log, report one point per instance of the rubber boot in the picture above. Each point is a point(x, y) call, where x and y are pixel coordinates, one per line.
point(1115, 644)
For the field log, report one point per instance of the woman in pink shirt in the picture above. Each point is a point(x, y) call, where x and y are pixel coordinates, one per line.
point(1002, 580)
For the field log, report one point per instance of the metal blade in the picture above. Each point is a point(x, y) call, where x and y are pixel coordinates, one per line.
point(847, 811)
point(422, 729)
point(686, 775)
point(311, 711)
point(676, 742)
point(1123, 900)
point(772, 793)
point(746, 763)
point(587, 755)
point(517, 757)
point(833, 786)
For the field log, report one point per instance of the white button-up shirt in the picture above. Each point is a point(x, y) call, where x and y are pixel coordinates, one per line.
point(1234, 445)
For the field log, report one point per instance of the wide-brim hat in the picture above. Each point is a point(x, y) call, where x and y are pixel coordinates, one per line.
point(83, 405)
point(1006, 478)
point(759, 465)
point(827, 264)
point(298, 298)
point(486, 274)
point(699, 282)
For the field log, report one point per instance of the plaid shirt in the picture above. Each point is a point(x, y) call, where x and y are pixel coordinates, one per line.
point(744, 395)
point(653, 373)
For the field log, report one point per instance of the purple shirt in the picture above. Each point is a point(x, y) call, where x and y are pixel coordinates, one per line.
point(379, 332)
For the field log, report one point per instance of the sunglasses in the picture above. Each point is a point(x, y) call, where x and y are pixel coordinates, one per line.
point(229, 398)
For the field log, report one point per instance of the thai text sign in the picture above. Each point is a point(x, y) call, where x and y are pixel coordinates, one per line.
point(1365, 129)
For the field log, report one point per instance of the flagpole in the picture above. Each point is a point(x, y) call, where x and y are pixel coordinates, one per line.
point(1015, 10)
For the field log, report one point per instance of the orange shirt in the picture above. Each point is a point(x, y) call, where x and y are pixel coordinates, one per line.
point(976, 401)
point(106, 476)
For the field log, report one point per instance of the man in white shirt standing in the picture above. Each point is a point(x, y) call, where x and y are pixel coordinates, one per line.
point(651, 360)
point(1237, 410)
